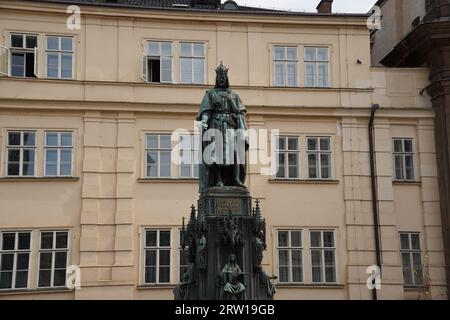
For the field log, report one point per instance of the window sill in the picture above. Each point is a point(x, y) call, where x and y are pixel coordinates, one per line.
point(310, 285)
point(406, 182)
point(412, 288)
point(299, 181)
point(21, 179)
point(168, 180)
point(32, 291)
point(155, 286)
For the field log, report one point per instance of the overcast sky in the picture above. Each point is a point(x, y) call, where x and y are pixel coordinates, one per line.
point(349, 6)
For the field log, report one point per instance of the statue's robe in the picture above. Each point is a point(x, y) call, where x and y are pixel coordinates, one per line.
point(218, 101)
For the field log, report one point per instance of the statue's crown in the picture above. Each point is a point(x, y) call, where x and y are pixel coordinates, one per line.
point(221, 69)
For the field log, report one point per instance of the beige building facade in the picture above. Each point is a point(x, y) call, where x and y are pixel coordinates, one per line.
point(87, 181)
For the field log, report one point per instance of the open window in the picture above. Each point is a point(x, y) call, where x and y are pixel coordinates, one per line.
point(4, 61)
point(157, 62)
point(24, 56)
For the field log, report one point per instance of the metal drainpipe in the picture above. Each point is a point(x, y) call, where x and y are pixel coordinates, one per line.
point(376, 223)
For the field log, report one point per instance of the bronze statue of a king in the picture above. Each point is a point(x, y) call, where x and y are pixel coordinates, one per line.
point(222, 116)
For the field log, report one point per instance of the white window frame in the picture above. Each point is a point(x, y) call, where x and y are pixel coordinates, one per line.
point(180, 250)
point(146, 56)
point(289, 248)
point(285, 62)
point(158, 149)
point(157, 248)
point(16, 251)
point(58, 148)
point(23, 50)
point(192, 58)
point(5, 62)
point(21, 147)
point(318, 154)
point(53, 251)
point(193, 150)
point(286, 153)
point(316, 63)
point(322, 250)
point(411, 252)
point(59, 53)
point(403, 154)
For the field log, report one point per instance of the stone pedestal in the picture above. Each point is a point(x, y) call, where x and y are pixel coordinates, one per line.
point(225, 224)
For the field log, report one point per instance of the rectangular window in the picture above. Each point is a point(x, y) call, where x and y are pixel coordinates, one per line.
point(53, 258)
point(192, 62)
point(157, 62)
point(20, 153)
point(317, 62)
point(287, 150)
point(158, 156)
point(59, 57)
point(24, 54)
point(189, 155)
point(319, 157)
point(157, 256)
point(411, 259)
point(290, 256)
point(58, 154)
point(323, 256)
point(184, 257)
point(403, 159)
point(285, 66)
point(14, 259)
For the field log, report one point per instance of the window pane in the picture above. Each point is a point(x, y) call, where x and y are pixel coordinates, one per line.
point(408, 146)
point(328, 239)
point(297, 274)
point(312, 166)
point(325, 166)
point(198, 71)
point(283, 237)
point(279, 53)
point(409, 167)
point(151, 238)
point(52, 43)
point(7, 262)
point(415, 241)
point(398, 167)
point(18, 64)
point(296, 238)
point(292, 53)
point(282, 143)
point(21, 279)
point(312, 144)
point(283, 257)
point(14, 138)
point(5, 280)
point(330, 274)
point(29, 139)
point(165, 165)
point(164, 142)
point(310, 74)
point(199, 50)
point(164, 274)
point(296, 257)
point(31, 42)
point(292, 74)
point(150, 258)
point(17, 40)
point(61, 240)
point(51, 139)
point(46, 240)
point(186, 49)
point(153, 48)
point(66, 139)
point(280, 74)
point(310, 54)
point(150, 275)
point(152, 164)
point(418, 271)
point(186, 70)
point(60, 259)
point(66, 44)
point(293, 143)
point(22, 261)
point(322, 54)
point(13, 169)
point(166, 68)
point(8, 241)
point(404, 241)
point(316, 274)
point(164, 258)
point(66, 66)
point(66, 155)
point(407, 272)
point(51, 169)
point(51, 156)
point(284, 273)
point(152, 141)
point(52, 65)
point(24, 241)
point(398, 146)
point(316, 239)
point(44, 278)
point(45, 260)
point(59, 278)
point(13, 155)
point(164, 238)
point(322, 74)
